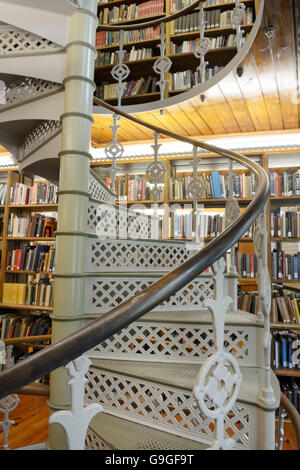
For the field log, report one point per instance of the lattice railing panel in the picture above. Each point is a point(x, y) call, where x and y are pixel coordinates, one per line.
point(165, 407)
point(109, 221)
point(26, 89)
point(173, 342)
point(41, 134)
point(99, 192)
point(108, 292)
point(94, 442)
point(15, 41)
point(133, 255)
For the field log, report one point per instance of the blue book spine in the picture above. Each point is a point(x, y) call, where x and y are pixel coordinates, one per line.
point(295, 267)
point(284, 352)
point(216, 184)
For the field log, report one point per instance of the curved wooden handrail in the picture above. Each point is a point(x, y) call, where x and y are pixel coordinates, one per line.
point(293, 414)
point(148, 24)
point(69, 348)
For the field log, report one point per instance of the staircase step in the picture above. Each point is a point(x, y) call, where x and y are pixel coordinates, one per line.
point(110, 432)
point(106, 291)
point(124, 255)
point(109, 220)
point(160, 396)
point(182, 337)
point(184, 376)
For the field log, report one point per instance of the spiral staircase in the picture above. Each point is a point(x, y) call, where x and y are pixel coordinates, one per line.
point(173, 363)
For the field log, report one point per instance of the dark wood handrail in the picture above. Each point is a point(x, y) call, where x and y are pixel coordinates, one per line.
point(148, 24)
point(293, 414)
point(69, 348)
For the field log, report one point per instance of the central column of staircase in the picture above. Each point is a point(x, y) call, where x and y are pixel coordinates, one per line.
point(69, 291)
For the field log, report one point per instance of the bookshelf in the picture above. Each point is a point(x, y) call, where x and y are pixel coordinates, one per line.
point(141, 46)
point(28, 224)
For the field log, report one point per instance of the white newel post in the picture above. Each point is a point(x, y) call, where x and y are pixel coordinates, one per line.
point(76, 421)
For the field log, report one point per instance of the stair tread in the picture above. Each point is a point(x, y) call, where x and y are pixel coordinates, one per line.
point(121, 434)
point(184, 376)
point(201, 317)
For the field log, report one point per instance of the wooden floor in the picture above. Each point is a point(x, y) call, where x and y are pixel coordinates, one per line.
point(31, 424)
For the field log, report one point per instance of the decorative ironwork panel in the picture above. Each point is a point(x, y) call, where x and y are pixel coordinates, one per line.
point(94, 442)
point(108, 292)
point(110, 221)
point(15, 41)
point(175, 342)
point(165, 407)
point(99, 191)
point(41, 134)
point(25, 89)
point(134, 255)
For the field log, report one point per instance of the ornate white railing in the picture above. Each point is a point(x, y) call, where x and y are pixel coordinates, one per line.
point(40, 135)
point(26, 89)
point(99, 191)
point(15, 41)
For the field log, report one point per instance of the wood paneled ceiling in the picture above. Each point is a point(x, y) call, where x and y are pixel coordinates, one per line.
point(264, 99)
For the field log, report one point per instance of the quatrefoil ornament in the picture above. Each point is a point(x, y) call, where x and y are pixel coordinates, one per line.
point(162, 65)
point(114, 150)
point(202, 47)
point(120, 71)
point(196, 189)
point(219, 384)
point(155, 170)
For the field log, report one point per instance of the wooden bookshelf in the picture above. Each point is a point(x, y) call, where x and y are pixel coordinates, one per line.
point(26, 307)
point(10, 243)
point(220, 56)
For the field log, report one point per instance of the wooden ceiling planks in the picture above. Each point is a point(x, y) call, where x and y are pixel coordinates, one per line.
point(264, 98)
point(283, 51)
point(232, 93)
point(264, 65)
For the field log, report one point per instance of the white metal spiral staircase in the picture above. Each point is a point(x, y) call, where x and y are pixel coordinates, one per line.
point(144, 376)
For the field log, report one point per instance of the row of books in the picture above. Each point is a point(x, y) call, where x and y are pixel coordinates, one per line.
point(33, 294)
point(109, 58)
point(208, 225)
point(135, 189)
point(32, 257)
point(3, 187)
point(246, 265)
point(131, 11)
point(290, 387)
point(190, 45)
point(248, 301)
point(285, 222)
point(176, 5)
point(286, 183)
point(216, 186)
point(109, 38)
point(285, 266)
point(189, 79)
point(132, 88)
point(286, 346)
point(17, 325)
point(285, 306)
point(215, 19)
point(34, 225)
point(39, 193)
